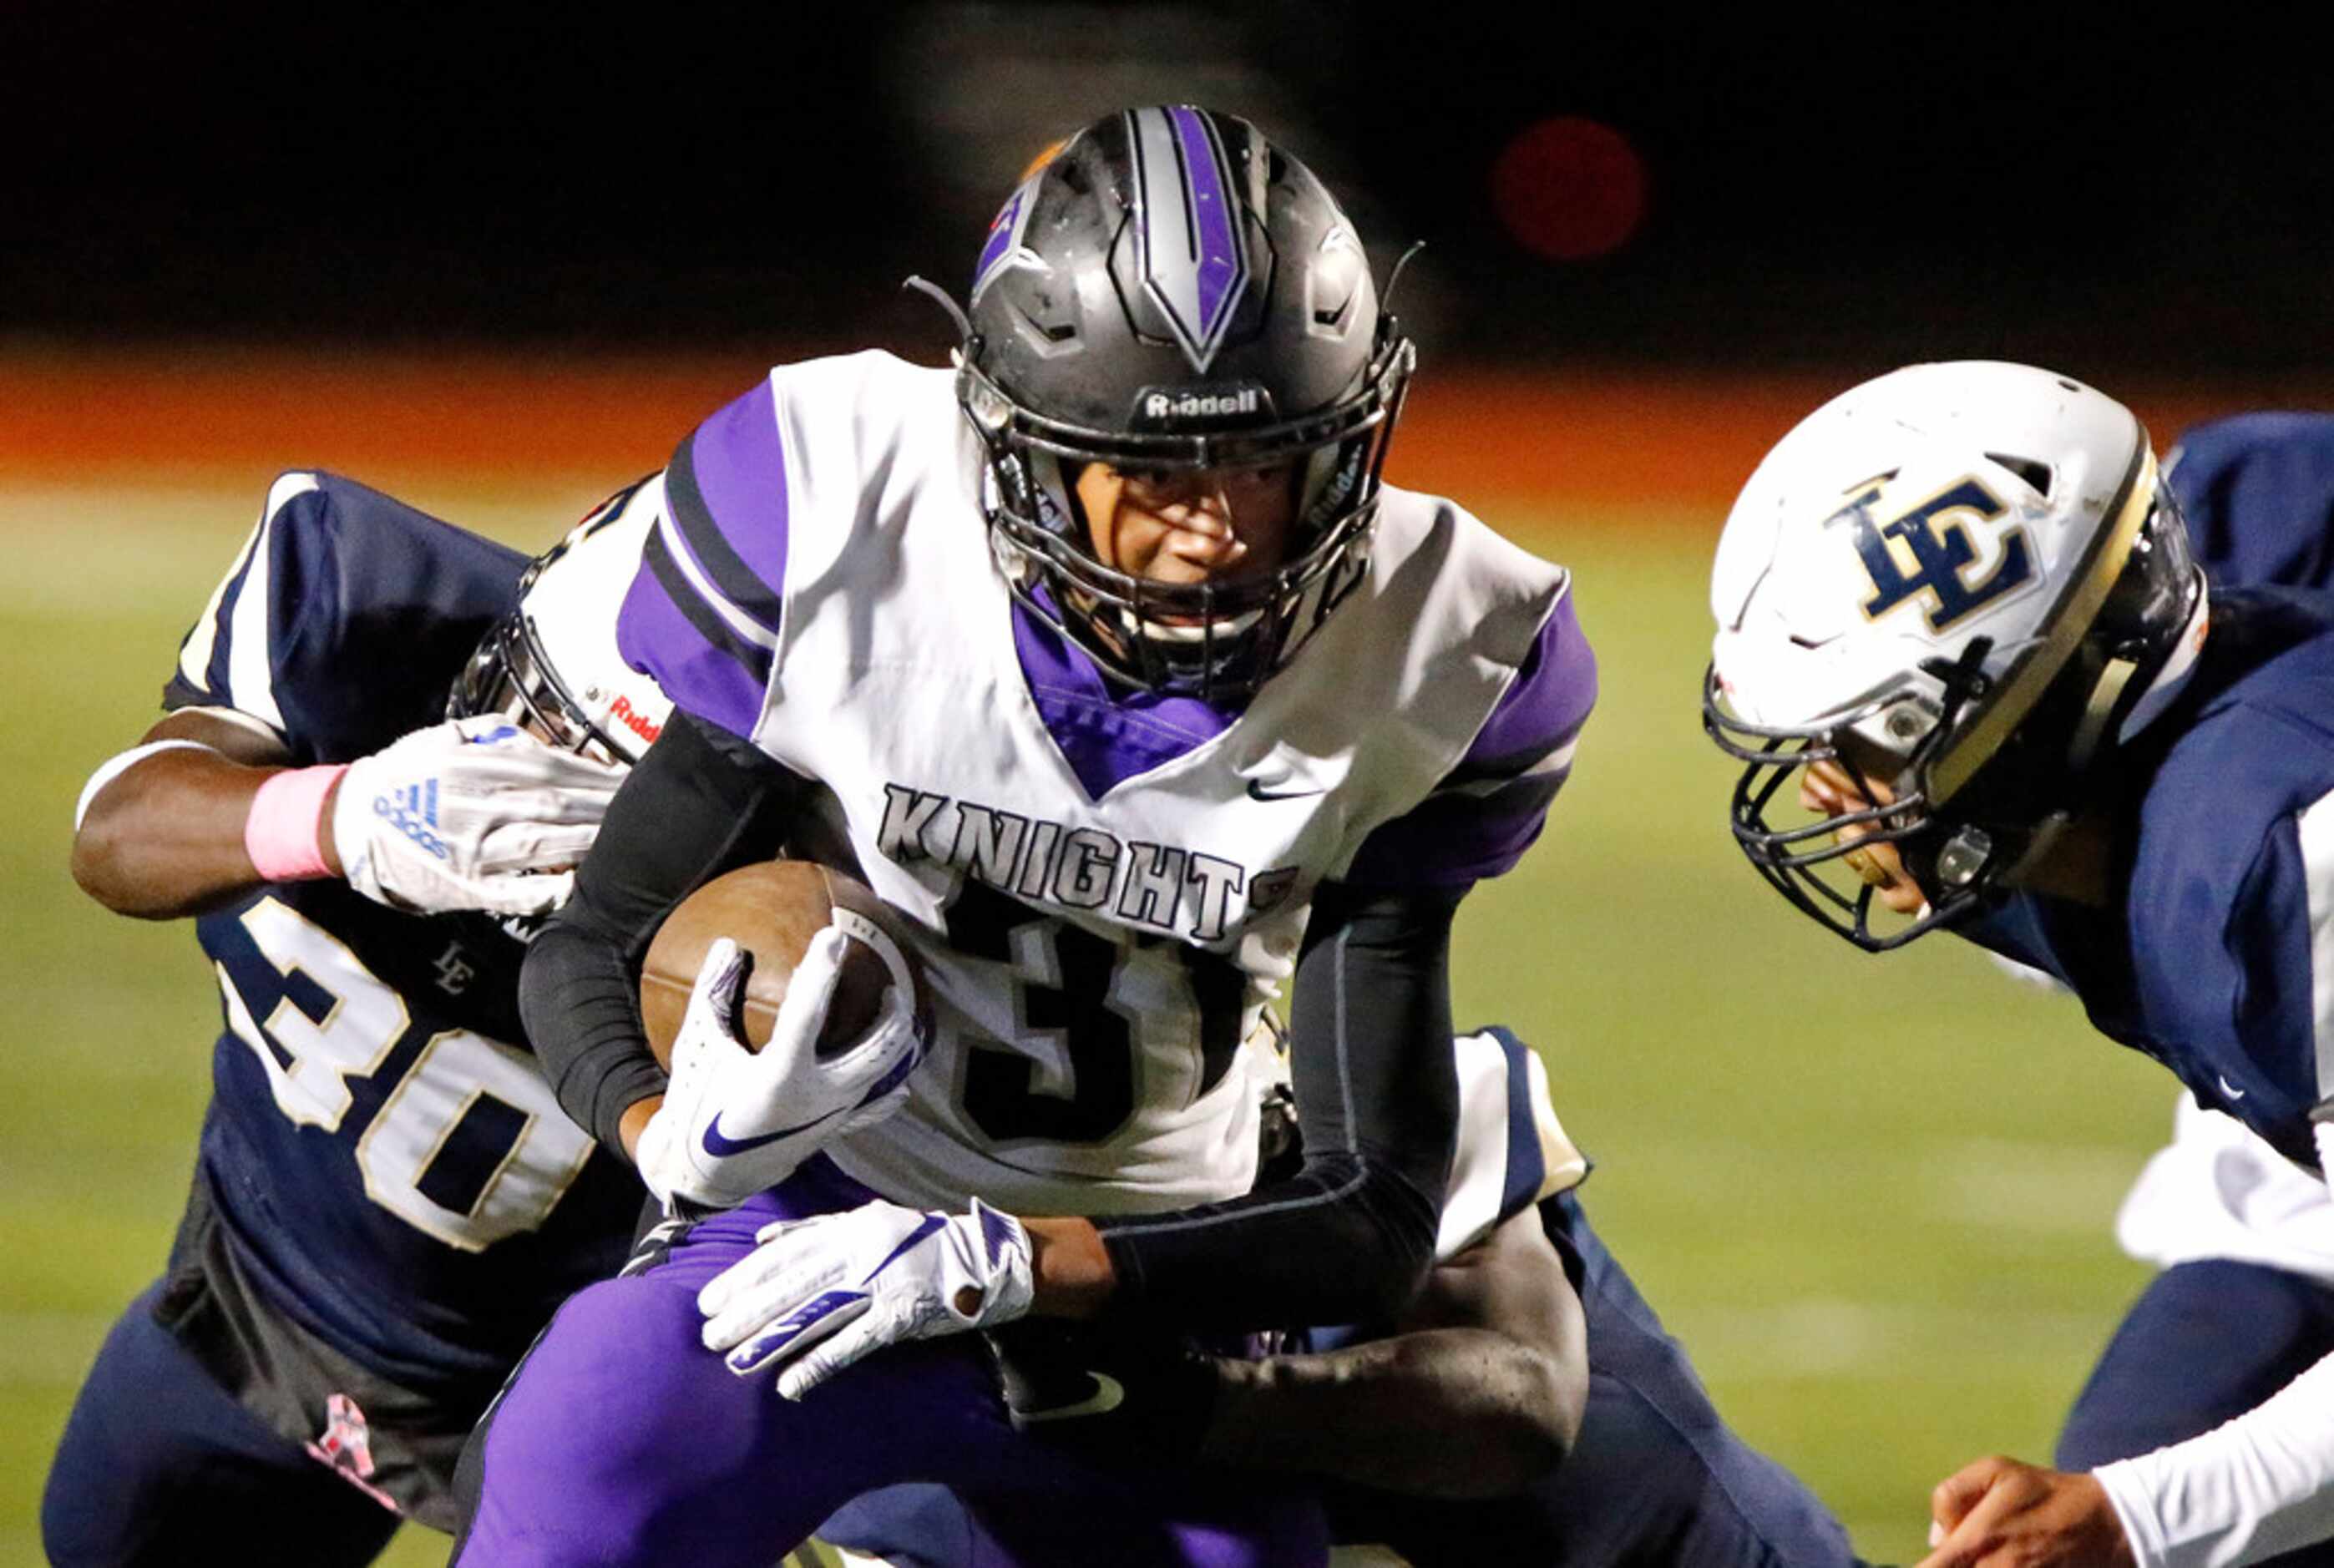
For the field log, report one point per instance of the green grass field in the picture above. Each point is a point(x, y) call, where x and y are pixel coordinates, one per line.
point(1872, 1196)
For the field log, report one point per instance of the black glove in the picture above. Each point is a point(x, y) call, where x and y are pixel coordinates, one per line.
point(1123, 1393)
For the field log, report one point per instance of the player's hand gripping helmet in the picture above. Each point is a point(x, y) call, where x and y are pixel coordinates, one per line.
point(1170, 292)
point(552, 662)
point(1958, 589)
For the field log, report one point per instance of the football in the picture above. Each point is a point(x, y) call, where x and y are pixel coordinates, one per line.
point(772, 911)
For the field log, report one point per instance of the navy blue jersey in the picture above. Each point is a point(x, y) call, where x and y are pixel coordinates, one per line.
point(2207, 961)
point(388, 1164)
point(2258, 492)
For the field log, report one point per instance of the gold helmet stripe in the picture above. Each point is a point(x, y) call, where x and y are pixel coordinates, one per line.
point(2024, 685)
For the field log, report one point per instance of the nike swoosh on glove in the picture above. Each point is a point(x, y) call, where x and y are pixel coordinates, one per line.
point(736, 1121)
point(819, 1294)
point(472, 813)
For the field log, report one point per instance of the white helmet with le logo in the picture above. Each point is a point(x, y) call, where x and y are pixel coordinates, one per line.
point(552, 662)
point(1962, 582)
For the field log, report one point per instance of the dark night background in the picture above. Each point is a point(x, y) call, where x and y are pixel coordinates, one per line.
point(2080, 192)
point(496, 261)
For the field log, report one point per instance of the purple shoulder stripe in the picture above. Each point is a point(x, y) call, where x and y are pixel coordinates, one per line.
point(704, 611)
point(1488, 810)
point(666, 631)
point(726, 492)
point(1545, 707)
point(1454, 841)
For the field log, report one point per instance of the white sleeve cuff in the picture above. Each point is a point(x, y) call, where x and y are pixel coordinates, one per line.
point(2252, 1489)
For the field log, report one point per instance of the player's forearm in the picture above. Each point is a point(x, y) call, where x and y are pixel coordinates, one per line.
point(1070, 1270)
point(1481, 1396)
point(1343, 1241)
point(1442, 1413)
point(576, 998)
point(166, 837)
point(1349, 1237)
point(2253, 1488)
point(702, 802)
point(632, 1121)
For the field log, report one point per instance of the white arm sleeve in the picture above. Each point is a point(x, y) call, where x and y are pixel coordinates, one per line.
point(2250, 1489)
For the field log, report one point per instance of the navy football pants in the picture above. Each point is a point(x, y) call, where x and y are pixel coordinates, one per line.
point(1657, 1478)
point(159, 1465)
point(2204, 1342)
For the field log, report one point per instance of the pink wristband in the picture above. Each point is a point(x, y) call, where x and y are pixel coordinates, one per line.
point(283, 834)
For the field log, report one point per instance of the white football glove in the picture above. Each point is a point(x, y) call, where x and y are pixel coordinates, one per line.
point(735, 1122)
point(821, 1293)
point(473, 813)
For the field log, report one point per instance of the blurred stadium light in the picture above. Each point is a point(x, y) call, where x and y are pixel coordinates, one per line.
point(1570, 188)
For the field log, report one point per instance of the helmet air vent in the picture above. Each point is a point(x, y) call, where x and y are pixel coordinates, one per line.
point(2033, 470)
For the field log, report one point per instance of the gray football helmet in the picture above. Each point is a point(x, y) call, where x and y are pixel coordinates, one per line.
point(1170, 290)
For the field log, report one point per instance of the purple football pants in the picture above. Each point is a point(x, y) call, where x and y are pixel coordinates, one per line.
point(622, 1439)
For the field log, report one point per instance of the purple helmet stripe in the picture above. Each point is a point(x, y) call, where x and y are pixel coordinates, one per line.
point(1004, 233)
point(1218, 248)
point(1194, 252)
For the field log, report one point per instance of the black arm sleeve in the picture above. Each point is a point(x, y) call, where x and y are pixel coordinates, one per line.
point(1351, 1235)
point(702, 802)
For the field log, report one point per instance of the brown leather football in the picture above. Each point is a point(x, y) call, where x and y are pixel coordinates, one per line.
point(771, 909)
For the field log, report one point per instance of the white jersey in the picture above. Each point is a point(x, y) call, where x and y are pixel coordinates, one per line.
point(1093, 959)
point(1512, 1149)
point(2217, 1190)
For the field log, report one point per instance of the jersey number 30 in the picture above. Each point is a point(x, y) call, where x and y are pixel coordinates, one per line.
point(470, 1146)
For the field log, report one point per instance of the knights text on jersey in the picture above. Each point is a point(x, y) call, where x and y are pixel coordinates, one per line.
point(1107, 890)
point(385, 1158)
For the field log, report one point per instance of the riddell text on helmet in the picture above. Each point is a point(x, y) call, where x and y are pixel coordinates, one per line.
point(631, 718)
point(1201, 405)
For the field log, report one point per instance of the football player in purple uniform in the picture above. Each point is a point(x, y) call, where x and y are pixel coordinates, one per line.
point(1108, 660)
point(160, 1451)
point(1962, 655)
